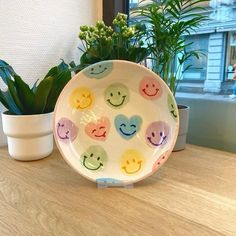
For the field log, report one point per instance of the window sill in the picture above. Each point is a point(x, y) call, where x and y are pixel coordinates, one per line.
point(207, 96)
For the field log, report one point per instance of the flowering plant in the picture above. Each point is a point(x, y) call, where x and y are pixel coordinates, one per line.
point(101, 42)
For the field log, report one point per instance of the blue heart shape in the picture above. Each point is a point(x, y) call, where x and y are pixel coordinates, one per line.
point(126, 127)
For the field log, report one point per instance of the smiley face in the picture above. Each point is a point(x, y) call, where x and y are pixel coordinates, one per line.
point(162, 158)
point(82, 98)
point(98, 130)
point(126, 127)
point(66, 130)
point(99, 70)
point(172, 107)
point(132, 162)
point(94, 158)
point(116, 95)
point(150, 88)
point(157, 134)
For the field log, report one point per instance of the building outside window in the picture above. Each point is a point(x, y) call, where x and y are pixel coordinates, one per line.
point(216, 71)
point(198, 71)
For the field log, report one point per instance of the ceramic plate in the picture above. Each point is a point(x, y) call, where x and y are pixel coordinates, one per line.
point(116, 122)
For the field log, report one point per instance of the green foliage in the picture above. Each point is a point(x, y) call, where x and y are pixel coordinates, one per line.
point(101, 42)
point(167, 22)
point(20, 99)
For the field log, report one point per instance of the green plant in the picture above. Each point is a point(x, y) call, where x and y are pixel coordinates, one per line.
point(101, 42)
point(167, 23)
point(20, 99)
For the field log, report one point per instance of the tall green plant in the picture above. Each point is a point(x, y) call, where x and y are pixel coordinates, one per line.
point(20, 99)
point(167, 23)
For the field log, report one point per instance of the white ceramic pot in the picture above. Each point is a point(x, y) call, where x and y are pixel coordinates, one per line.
point(3, 137)
point(29, 137)
point(183, 127)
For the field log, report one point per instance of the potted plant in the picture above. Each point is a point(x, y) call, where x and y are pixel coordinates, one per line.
point(120, 42)
point(28, 119)
point(168, 22)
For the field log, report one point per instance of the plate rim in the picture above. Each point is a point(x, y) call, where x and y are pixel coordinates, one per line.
point(131, 181)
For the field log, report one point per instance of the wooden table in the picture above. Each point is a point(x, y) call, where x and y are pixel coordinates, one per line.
point(194, 193)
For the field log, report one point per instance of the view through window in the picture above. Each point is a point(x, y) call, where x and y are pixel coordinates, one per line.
point(216, 71)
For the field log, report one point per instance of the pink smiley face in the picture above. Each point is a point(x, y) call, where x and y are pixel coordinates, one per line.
point(150, 88)
point(157, 134)
point(98, 130)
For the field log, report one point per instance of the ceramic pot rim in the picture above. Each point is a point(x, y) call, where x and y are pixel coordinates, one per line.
point(183, 107)
point(25, 116)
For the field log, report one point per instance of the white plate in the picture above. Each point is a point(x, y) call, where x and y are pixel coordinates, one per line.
point(116, 122)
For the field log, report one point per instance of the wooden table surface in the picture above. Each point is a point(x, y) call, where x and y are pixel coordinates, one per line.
point(194, 193)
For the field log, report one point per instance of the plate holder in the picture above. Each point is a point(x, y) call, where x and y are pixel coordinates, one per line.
point(110, 183)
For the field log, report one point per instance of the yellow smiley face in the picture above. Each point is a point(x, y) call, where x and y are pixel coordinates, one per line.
point(132, 162)
point(82, 98)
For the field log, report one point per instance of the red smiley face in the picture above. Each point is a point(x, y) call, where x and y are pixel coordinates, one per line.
point(160, 160)
point(150, 88)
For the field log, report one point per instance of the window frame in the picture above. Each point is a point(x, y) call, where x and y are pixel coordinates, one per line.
point(112, 7)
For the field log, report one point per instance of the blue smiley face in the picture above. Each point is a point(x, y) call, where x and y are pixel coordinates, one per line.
point(126, 127)
point(99, 70)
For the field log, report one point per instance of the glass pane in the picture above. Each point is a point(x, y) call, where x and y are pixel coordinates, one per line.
point(222, 10)
point(199, 66)
point(231, 56)
point(133, 3)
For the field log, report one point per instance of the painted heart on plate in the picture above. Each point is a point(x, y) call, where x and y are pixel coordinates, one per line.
point(98, 130)
point(128, 127)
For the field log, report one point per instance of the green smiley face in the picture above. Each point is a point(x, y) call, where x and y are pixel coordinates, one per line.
point(116, 95)
point(172, 107)
point(94, 158)
point(99, 70)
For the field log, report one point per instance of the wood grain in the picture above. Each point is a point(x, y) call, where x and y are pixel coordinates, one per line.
point(194, 193)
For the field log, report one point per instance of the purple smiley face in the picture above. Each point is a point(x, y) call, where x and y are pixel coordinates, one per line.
point(66, 130)
point(157, 134)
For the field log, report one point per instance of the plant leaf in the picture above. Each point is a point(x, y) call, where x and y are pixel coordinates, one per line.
point(6, 71)
point(7, 100)
point(25, 95)
point(59, 81)
point(34, 86)
point(57, 69)
point(14, 94)
point(41, 94)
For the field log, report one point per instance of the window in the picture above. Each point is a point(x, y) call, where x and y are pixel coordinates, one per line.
point(231, 56)
point(217, 39)
point(133, 3)
point(198, 71)
point(112, 7)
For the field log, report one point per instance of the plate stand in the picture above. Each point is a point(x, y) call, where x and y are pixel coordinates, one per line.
point(114, 185)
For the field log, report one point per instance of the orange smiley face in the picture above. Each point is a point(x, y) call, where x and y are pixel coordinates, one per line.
point(82, 98)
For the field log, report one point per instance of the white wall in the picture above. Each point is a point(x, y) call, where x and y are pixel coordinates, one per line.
point(35, 34)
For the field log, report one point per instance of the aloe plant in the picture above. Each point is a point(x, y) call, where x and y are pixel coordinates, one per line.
point(20, 99)
point(167, 23)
